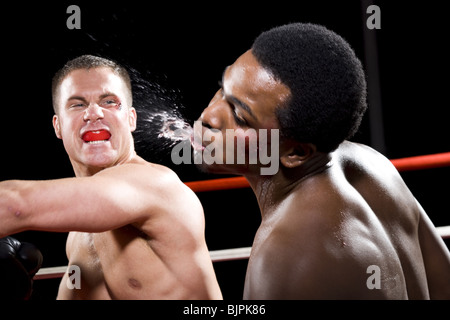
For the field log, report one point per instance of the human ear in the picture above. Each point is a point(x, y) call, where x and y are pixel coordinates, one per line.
point(132, 118)
point(296, 153)
point(56, 126)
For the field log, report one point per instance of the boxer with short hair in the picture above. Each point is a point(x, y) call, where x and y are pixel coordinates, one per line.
point(335, 210)
point(135, 230)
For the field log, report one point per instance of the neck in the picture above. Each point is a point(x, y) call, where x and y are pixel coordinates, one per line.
point(86, 170)
point(272, 190)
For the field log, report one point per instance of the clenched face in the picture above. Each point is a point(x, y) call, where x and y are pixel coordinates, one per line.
point(247, 99)
point(95, 119)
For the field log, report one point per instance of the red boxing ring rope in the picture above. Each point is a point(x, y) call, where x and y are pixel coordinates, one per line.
point(436, 160)
point(403, 164)
point(218, 184)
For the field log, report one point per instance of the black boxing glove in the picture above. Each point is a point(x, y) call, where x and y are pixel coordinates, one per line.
point(19, 262)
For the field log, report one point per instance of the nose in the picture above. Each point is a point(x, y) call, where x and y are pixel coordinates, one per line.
point(213, 115)
point(93, 112)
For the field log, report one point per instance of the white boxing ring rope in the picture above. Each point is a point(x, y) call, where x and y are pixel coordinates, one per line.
point(216, 256)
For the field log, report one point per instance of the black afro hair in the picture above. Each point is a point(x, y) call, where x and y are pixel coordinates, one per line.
point(326, 80)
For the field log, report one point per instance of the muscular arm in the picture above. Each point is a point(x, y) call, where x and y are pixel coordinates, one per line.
point(436, 258)
point(112, 198)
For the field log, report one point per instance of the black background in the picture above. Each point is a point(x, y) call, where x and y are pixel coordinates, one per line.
point(183, 49)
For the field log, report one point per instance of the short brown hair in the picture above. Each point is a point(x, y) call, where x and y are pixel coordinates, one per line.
point(88, 62)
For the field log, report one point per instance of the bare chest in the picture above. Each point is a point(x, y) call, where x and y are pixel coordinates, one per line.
point(97, 253)
point(85, 278)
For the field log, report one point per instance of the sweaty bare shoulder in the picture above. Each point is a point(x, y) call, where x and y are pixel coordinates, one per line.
point(416, 242)
point(166, 255)
point(157, 189)
point(381, 186)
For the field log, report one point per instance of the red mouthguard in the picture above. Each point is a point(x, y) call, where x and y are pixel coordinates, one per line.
point(96, 135)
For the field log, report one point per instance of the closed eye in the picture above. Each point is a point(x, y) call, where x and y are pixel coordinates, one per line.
point(235, 105)
point(77, 105)
point(237, 117)
point(108, 103)
point(236, 114)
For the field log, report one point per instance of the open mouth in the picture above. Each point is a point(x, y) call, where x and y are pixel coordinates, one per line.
point(96, 136)
point(197, 143)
